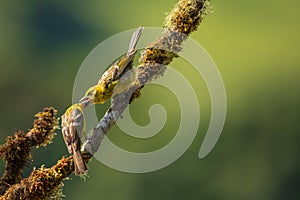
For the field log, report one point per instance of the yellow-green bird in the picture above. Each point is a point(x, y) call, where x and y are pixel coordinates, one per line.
point(73, 128)
point(103, 91)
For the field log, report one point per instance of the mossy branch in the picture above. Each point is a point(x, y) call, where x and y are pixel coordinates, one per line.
point(16, 152)
point(180, 23)
point(45, 183)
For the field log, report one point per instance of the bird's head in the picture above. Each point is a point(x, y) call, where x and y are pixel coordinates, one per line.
point(93, 95)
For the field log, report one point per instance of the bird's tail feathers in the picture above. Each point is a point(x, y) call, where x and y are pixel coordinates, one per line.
point(134, 39)
point(80, 166)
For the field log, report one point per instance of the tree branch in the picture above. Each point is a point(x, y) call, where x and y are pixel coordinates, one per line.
point(44, 183)
point(180, 23)
point(17, 150)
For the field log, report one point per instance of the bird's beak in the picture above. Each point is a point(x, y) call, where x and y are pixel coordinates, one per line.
point(85, 101)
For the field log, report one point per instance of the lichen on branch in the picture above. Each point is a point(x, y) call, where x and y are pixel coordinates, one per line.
point(16, 152)
point(45, 183)
point(180, 23)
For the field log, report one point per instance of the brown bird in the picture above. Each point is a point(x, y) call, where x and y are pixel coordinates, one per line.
point(73, 128)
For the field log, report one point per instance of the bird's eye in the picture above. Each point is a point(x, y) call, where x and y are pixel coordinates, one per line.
point(105, 74)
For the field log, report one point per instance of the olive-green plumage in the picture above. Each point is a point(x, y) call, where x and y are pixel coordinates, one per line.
point(103, 91)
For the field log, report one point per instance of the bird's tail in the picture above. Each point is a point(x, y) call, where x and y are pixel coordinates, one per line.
point(80, 166)
point(134, 39)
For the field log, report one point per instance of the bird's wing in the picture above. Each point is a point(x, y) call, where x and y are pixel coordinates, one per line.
point(67, 138)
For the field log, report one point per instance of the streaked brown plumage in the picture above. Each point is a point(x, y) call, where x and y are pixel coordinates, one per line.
point(73, 128)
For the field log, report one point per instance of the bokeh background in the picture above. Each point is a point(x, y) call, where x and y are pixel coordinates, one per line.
point(256, 47)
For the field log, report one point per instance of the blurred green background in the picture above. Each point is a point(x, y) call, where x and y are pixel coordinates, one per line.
point(256, 47)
